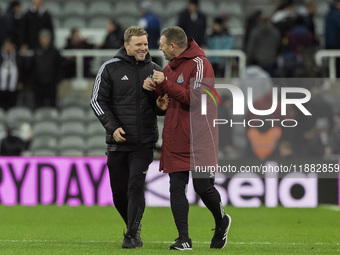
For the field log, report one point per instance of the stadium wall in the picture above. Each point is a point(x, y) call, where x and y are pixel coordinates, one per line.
point(76, 181)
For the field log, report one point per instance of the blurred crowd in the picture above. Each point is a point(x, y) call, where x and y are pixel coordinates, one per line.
point(282, 44)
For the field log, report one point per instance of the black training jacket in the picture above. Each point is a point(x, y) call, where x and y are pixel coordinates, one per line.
point(119, 100)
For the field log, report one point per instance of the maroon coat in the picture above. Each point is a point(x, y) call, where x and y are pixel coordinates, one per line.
point(189, 138)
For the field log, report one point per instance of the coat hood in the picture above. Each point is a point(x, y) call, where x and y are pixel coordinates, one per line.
point(191, 52)
point(121, 54)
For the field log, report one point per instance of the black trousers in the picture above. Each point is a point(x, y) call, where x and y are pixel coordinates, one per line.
point(127, 178)
point(204, 187)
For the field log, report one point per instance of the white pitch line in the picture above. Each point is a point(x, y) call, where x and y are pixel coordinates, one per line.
point(331, 207)
point(160, 242)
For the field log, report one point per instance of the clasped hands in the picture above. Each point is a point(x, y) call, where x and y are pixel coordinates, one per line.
point(150, 83)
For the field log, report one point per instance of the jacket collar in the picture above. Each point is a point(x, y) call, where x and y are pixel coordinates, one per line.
point(131, 59)
point(191, 52)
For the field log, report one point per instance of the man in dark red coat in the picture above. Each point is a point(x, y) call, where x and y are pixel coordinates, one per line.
point(189, 138)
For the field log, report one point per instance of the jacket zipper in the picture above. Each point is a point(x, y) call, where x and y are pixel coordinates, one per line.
point(138, 106)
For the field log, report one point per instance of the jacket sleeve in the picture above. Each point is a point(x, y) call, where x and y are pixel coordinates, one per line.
point(181, 93)
point(153, 95)
point(100, 101)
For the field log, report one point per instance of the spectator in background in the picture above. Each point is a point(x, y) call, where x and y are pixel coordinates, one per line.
point(284, 16)
point(251, 21)
point(114, 36)
point(332, 30)
point(194, 22)
point(37, 18)
point(76, 42)
point(309, 19)
point(17, 141)
point(314, 131)
point(220, 39)
point(297, 59)
point(264, 45)
point(332, 26)
point(11, 66)
point(46, 71)
point(150, 22)
point(13, 22)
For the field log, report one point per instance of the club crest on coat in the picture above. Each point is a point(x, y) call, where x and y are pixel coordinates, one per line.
point(180, 78)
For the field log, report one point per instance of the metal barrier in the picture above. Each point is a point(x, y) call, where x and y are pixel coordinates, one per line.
point(80, 54)
point(331, 55)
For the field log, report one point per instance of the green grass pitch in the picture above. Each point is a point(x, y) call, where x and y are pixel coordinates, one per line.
point(99, 230)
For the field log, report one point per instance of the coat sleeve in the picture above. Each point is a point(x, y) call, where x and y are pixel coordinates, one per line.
point(153, 95)
point(100, 101)
point(182, 93)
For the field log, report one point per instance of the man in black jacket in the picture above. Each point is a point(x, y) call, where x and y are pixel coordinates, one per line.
point(128, 113)
point(37, 18)
point(47, 72)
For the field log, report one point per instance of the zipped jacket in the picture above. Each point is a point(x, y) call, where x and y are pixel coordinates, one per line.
point(119, 100)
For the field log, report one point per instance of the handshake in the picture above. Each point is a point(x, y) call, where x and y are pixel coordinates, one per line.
point(151, 82)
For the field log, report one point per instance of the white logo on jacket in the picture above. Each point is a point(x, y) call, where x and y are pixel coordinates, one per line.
point(124, 78)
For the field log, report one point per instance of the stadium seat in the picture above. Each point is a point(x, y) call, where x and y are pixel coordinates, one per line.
point(3, 6)
point(173, 8)
point(91, 117)
point(46, 114)
point(43, 142)
point(96, 142)
point(72, 153)
point(96, 152)
point(235, 22)
point(234, 8)
point(71, 100)
point(95, 128)
point(45, 152)
point(98, 22)
point(158, 8)
point(46, 128)
point(72, 114)
point(3, 130)
point(99, 8)
point(74, 21)
point(54, 8)
point(71, 142)
point(2, 115)
point(209, 8)
point(171, 21)
point(72, 128)
point(126, 7)
point(19, 115)
point(127, 20)
point(74, 8)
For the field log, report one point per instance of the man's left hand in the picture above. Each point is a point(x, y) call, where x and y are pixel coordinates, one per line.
point(163, 102)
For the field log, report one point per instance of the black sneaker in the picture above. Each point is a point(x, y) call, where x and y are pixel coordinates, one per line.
point(129, 242)
point(138, 239)
point(219, 239)
point(182, 244)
